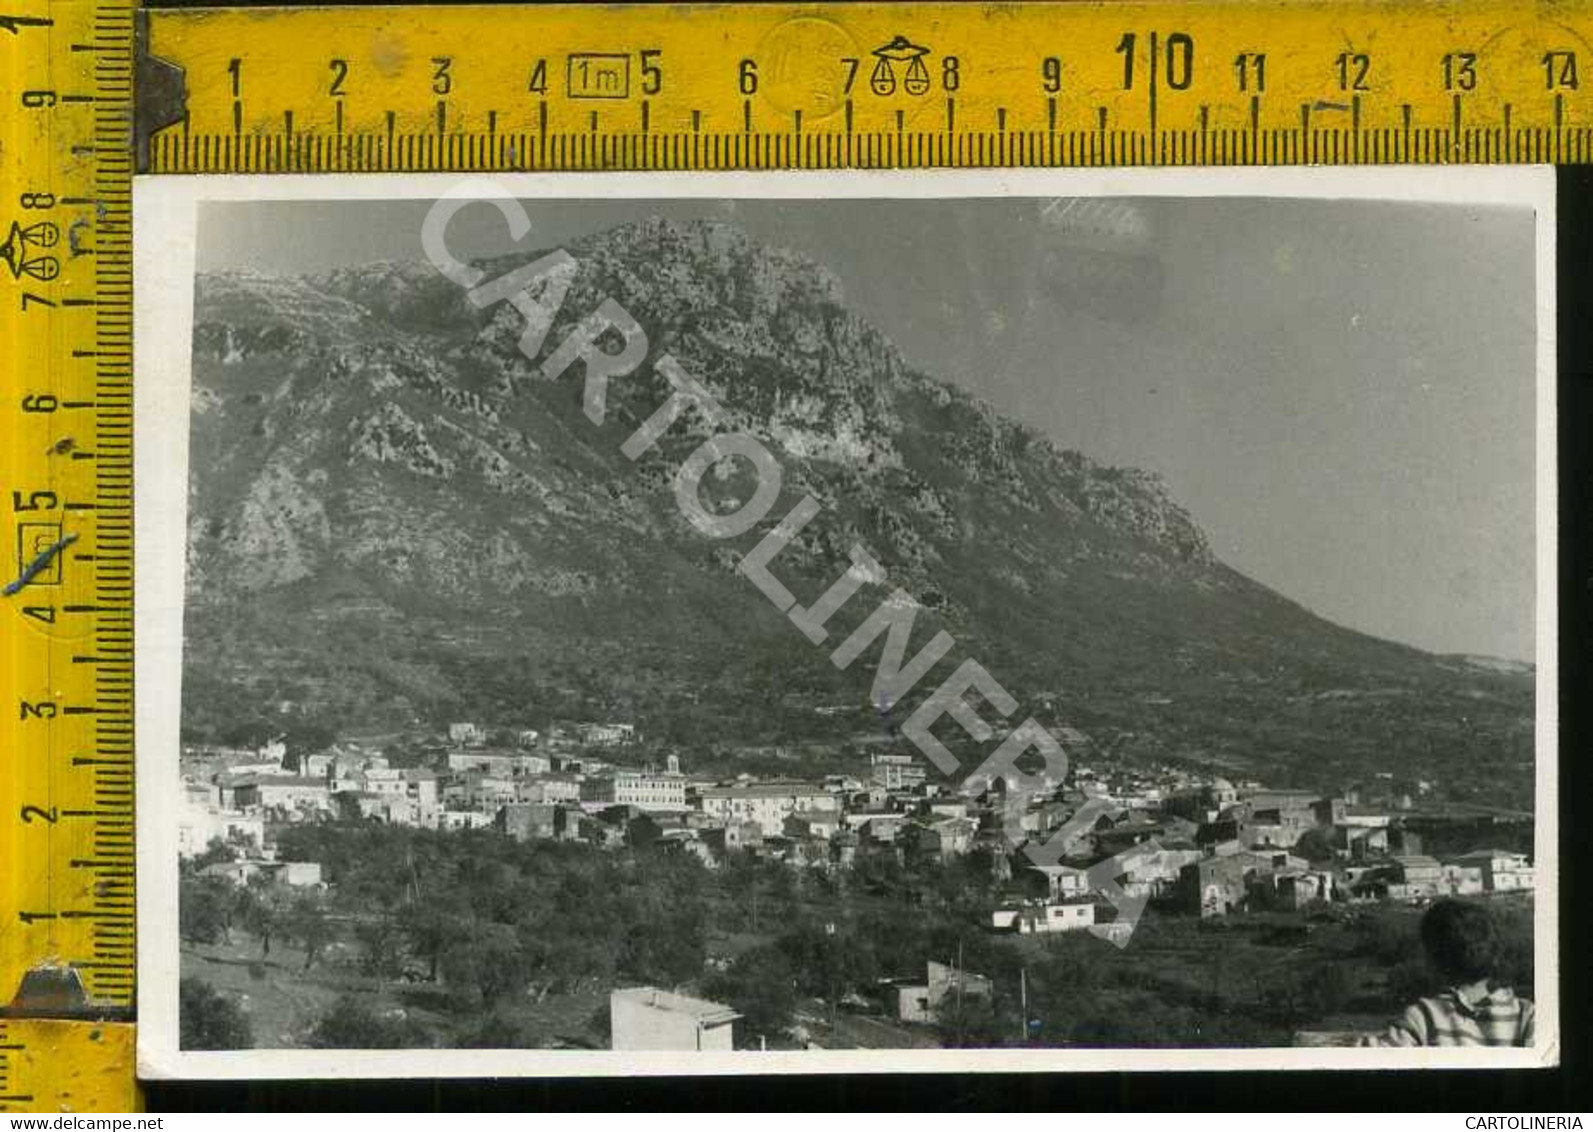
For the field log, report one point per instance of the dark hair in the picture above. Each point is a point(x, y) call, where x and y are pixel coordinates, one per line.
point(1461, 940)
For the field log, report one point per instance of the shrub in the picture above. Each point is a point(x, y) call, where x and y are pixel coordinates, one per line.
point(1410, 980)
point(204, 909)
point(208, 1020)
point(1516, 966)
point(1328, 989)
point(352, 1024)
point(1389, 937)
point(761, 985)
point(497, 1032)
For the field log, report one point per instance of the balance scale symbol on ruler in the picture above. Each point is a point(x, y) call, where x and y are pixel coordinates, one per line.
point(26, 250)
point(882, 81)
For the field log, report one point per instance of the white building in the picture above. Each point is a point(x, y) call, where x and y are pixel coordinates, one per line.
point(646, 1018)
point(381, 780)
point(1062, 881)
point(1502, 870)
point(199, 824)
point(548, 788)
point(478, 790)
point(253, 766)
point(464, 819)
point(767, 803)
point(649, 790)
point(922, 1002)
point(897, 772)
point(1068, 916)
point(420, 787)
point(287, 793)
point(606, 734)
point(299, 874)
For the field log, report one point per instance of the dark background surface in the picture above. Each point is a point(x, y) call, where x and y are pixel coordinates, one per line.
point(1542, 1091)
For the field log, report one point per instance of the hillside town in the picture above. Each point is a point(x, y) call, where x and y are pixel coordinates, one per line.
point(1212, 847)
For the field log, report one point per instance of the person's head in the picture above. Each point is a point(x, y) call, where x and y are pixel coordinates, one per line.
point(1461, 941)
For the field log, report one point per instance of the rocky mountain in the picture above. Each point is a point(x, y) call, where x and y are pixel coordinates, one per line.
point(394, 515)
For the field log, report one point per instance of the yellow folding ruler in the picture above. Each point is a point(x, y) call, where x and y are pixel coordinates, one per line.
point(837, 85)
point(66, 484)
point(555, 87)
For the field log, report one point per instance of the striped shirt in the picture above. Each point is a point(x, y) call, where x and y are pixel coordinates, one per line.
point(1497, 1018)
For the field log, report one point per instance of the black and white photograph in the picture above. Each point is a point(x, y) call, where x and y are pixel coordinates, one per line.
point(793, 623)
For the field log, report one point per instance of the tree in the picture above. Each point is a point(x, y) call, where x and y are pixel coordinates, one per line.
point(1315, 846)
point(1329, 989)
point(487, 959)
point(664, 945)
point(761, 985)
point(259, 915)
point(306, 738)
point(972, 1023)
point(432, 927)
point(1139, 1020)
point(828, 958)
point(1516, 961)
point(217, 852)
point(1073, 964)
point(307, 923)
point(250, 733)
point(381, 943)
point(208, 1020)
point(496, 1031)
point(1391, 935)
point(581, 942)
point(1412, 979)
point(204, 909)
point(739, 879)
point(352, 1024)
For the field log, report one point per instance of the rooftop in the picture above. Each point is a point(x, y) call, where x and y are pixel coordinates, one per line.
point(763, 790)
point(707, 1013)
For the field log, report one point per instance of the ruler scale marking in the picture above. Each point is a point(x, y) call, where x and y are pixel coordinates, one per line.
point(85, 161)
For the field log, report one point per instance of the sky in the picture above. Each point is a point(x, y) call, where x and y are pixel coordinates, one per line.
point(1340, 392)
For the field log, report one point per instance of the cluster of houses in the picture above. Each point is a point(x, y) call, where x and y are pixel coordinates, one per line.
point(1196, 844)
point(233, 794)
